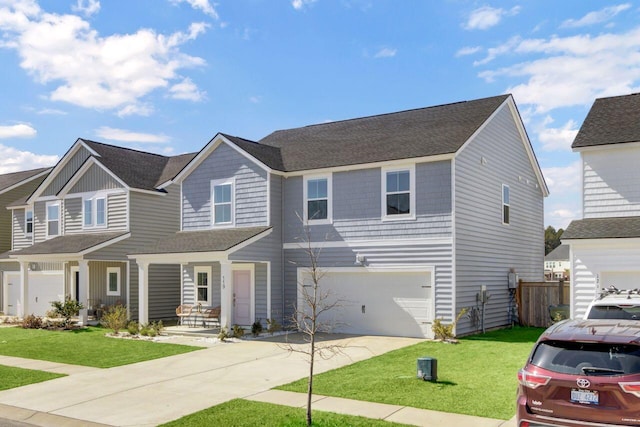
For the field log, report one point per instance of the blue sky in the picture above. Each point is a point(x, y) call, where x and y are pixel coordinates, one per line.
point(166, 75)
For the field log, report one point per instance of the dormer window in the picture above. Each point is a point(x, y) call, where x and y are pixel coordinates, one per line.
point(94, 211)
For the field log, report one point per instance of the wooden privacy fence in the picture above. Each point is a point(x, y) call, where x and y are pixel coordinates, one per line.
point(535, 298)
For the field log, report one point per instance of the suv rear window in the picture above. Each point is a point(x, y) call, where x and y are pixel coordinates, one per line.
point(579, 358)
point(614, 312)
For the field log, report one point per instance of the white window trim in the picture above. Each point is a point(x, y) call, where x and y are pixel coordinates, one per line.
point(59, 206)
point(26, 233)
point(505, 204)
point(207, 270)
point(117, 271)
point(215, 183)
point(412, 193)
point(94, 211)
point(329, 218)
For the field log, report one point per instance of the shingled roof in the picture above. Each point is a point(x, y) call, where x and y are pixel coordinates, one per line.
point(561, 253)
point(139, 169)
point(422, 132)
point(603, 228)
point(8, 180)
point(612, 120)
point(69, 244)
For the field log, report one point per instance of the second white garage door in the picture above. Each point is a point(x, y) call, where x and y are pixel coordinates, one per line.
point(620, 279)
point(44, 287)
point(393, 303)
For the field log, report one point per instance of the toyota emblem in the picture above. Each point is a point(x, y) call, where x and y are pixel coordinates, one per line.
point(583, 383)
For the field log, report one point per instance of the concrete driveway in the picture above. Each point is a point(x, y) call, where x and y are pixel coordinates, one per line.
point(157, 391)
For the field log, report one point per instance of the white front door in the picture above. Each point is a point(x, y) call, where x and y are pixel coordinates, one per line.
point(242, 297)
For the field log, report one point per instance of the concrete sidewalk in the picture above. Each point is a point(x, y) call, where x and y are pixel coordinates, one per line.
point(153, 392)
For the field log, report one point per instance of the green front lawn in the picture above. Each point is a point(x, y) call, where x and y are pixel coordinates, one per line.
point(475, 377)
point(87, 347)
point(17, 377)
point(240, 412)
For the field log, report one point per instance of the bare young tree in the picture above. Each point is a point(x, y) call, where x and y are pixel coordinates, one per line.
point(310, 314)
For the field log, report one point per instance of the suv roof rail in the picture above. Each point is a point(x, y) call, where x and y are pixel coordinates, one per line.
point(612, 290)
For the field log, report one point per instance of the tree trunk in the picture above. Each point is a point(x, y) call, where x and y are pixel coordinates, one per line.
point(310, 383)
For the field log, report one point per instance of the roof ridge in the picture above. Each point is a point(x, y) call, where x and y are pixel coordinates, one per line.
point(124, 148)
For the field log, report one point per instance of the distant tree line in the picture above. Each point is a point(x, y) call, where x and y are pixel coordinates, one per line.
point(551, 239)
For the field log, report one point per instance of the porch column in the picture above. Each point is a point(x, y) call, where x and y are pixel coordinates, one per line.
point(143, 292)
point(23, 307)
point(226, 297)
point(83, 290)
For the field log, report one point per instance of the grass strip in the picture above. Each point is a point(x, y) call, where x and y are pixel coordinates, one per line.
point(17, 377)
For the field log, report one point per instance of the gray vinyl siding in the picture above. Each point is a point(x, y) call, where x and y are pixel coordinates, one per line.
point(189, 288)
point(164, 291)
point(7, 219)
point(95, 179)
point(116, 215)
point(117, 212)
point(63, 176)
point(437, 255)
point(486, 249)
point(40, 220)
point(250, 190)
point(357, 207)
point(73, 215)
point(20, 238)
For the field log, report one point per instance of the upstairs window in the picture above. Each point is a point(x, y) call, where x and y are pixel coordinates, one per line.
point(94, 212)
point(28, 222)
point(506, 206)
point(399, 194)
point(223, 203)
point(317, 195)
point(113, 281)
point(53, 219)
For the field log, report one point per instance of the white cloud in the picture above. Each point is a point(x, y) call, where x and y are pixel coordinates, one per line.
point(255, 99)
point(486, 17)
point(124, 135)
point(187, 90)
point(596, 17)
point(202, 5)
point(17, 131)
point(139, 109)
point(564, 180)
point(87, 7)
point(52, 111)
point(301, 4)
point(14, 160)
point(468, 50)
point(385, 52)
point(570, 71)
point(88, 70)
point(557, 139)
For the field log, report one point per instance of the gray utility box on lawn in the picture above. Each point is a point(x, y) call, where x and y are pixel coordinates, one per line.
point(428, 368)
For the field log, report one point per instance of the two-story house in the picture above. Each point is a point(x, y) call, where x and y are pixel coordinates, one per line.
point(13, 186)
point(605, 244)
point(415, 213)
point(556, 263)
point(72, 234)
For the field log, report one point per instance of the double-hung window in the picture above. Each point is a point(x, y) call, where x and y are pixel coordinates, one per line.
point(28, 222)
point(222, 201)
point(317, 199)
point(203, 282)
point(506, 204)
point(398, 198)
point(113, 281)
point(53, 219)
point(94, 212)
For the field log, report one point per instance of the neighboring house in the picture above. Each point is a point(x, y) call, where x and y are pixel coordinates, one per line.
point(12, 187)
point(556, 263)
point(99, 203)
point(605, 244)
point(414, 212)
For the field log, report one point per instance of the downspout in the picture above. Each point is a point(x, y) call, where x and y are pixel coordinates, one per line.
point(282, 268)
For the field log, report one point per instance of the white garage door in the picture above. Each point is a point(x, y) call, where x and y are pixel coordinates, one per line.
point(44, 287)
point(391, 303)
point(620, 279)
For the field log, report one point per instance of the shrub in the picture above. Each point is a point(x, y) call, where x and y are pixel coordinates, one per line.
point(238, 332)
point(32, 322)
point(115, 318)
point(224, 334)
point(133, 328)
point(157, 327)
point(66, 309)
point(256, 328)
point(273, 326)
point(445, 332)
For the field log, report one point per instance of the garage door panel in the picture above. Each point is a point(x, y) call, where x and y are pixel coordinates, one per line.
point(620, 279)
point(43, 289)
point(376, 303)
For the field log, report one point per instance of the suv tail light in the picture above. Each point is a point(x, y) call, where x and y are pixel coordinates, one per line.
point(530, 380)
point(633, 388)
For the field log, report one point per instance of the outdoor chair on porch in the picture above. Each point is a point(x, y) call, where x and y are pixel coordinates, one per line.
point(184, 311)
point(211, 315)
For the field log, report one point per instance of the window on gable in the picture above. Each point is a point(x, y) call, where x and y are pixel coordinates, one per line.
point(223, 203)
point(28, 222)
point(113, 281)
point(398, 196)
point(506, 205)
point(53, 219)
point(94, 212)
point(203, 280)
point(317, 195)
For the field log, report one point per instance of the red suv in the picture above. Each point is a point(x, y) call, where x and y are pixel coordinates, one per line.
point(582, 373)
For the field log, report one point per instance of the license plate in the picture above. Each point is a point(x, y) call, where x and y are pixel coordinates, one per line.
point(584, 396)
